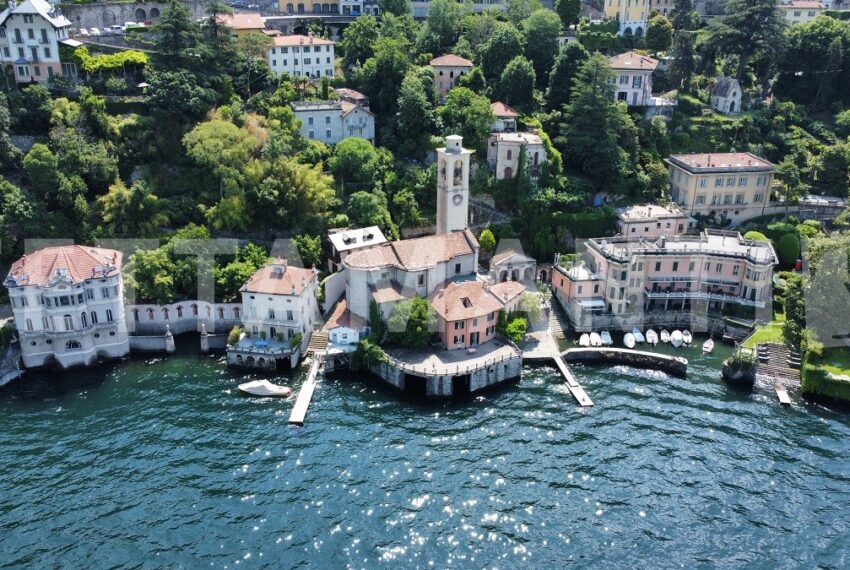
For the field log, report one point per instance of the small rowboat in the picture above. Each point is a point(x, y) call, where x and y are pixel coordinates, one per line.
point(265, 388)
point(638, 335)
point(606, 338)
point(595, 339)
point(629, 340)
point(665, 336)
point(707, 346)
point(584, 340)
point(652, 337)
point(687, 337)
point(676, 339)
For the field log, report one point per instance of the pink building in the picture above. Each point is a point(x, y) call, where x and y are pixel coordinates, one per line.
point(447, 70)
point(652, 221)
point(467, 312)
point(626, 277)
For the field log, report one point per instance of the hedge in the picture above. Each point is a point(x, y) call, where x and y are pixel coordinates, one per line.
point(816, 380)
point(755, 236)
point(598, 223)
point(788, 249)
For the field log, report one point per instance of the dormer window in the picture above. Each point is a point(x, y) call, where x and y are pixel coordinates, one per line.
point(466, 302)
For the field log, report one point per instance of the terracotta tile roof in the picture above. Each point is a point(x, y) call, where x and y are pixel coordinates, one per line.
point(805, 4)
point(633, 60)
point(297, 40)
point(242, 21)
point(351, 95)
point(450, 60)
point(75, 262)
point(502, 111)
point(472, 299)
point(279, 278)
point(348, 107)
point(342, 317)
point(415, 254)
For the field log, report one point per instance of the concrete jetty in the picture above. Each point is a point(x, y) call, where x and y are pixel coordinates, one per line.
point(305, 395)
point(572, 384)
point(675, 365)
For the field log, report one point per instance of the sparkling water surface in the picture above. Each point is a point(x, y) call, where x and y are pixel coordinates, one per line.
point(160, 462)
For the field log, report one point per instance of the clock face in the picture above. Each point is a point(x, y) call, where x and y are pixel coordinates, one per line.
point(457, 199)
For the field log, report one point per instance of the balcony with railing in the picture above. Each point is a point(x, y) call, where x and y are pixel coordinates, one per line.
point(697, 295)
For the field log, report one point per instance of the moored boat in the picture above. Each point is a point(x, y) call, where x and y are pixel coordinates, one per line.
point(665, 336)
point(676, 339)
point(265, 388)
point(707, 346)
point(584, 340)
point(606, 338)
point(595, 339)
point(687, 337)
point(652, 337)
point(638, 335)
point(629, 340)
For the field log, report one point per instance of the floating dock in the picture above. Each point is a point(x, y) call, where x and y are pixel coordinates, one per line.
point(782, 394)
point(305, 395)
point(575, 389)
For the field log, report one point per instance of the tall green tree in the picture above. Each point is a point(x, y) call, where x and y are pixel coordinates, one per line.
point(371, 209)
point(659, 34)
point(131, 212)
point(412, 323)
point(833, 170)
point(395, 7)
point(467, 114)
point(381, 76)
point(568, 11)
point(518, 11)
point(684, 59)
point(516, 85)
point(683, 16)
point(570, 59)
point(504, 44)
point(357, 41)
point(541, 31)
point(441, 28)
point(749, 29)
point(589, 135)
point(42, 169)
point(416, 119)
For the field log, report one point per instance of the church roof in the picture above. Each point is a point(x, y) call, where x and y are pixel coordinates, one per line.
point(415, 254)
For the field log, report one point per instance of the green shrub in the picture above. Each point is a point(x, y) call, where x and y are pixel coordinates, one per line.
point(755, 236)
point(788, 250)
point(597, 223)
point(233, 336)
point(776, 230)
point(807, 231)
point(295, 341)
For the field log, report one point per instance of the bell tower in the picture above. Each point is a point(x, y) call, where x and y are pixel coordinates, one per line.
point(452, 186)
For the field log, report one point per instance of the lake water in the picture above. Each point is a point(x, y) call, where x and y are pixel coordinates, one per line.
point(160, 462)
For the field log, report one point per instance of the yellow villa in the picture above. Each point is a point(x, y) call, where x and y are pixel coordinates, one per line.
point(632, 15)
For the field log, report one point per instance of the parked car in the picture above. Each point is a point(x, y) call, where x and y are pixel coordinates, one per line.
point(116, 29)
point(95, 32)
point(83, 32)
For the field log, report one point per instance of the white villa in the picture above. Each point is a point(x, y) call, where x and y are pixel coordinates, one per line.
point(342, 243)
point(30, 35)
point(633, 79)
point(331, 121)
point(726, 96)
point(503, 151)
point(302, 56)
point(68, 304)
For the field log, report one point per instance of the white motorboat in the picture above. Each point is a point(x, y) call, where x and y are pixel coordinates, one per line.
point(265, 388)
point(687, 337)
point(665, 336)
point(638, 335)
point(584, 340)
point(676, 339)
point(595, 339)
point(652, 337)
point(606, 338)
point(629, 340)
point(707, 346)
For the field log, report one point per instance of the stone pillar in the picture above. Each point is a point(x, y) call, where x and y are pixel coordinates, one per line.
point(169, 339)
point(205, 339)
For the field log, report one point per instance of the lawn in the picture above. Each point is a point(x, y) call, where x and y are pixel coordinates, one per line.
point(770, 332)
point(835, 361)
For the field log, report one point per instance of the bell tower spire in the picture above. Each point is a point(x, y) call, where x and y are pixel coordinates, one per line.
point(452, 186)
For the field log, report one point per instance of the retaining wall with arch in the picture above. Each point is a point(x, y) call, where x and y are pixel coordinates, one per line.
point(183, 317)
point(104, 14)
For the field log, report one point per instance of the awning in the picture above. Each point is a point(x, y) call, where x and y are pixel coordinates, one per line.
point(70, 42)
point(591, 303)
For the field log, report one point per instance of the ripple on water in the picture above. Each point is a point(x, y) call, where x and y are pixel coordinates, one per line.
point(162, 461)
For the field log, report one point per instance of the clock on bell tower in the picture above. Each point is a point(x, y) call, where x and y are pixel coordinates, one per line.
point(452, 186)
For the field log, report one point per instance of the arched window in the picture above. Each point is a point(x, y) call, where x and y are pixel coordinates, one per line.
point(180, 312)
point(165, 313)
point(220, 313)
point(510, 154)
point(136, 315)
point(209, 312)
point(140, 15)
point(94, 317)
point(73, 345)
point(69, 322)
point(194, 310)
point(236, 312)
point(150, 314)
point(84, 319)
point(154, 13)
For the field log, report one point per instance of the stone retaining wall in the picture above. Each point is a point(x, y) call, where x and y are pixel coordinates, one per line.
point(183, 317)
point(671, 364)
point(152, 343)
point(104, 14)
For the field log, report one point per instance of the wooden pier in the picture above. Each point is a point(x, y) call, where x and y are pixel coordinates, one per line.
point(572, 384)
point(305, 395)
point(782, 394)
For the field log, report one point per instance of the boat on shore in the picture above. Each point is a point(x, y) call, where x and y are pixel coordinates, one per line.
point(584, 340)
point(676, 339)
point(651, 337)
point(707, 346)
point(595, 339)
point(687, 337)
point(265, 389)
point(629, 340)
point(665, 336)
point(638, 335)
point(606, 338)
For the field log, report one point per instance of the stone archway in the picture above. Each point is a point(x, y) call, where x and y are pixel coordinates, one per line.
point(141, 16)
point(527, 274)
point(542, 276)
point(503, 276)
point(154, 13)
point(108, 18)
point(515, 275)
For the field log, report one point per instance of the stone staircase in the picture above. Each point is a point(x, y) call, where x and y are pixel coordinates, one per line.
point(558, 322)
point(318, 343)
point(774, 363)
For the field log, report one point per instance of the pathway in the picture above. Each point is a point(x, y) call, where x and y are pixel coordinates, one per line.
point(305, 395)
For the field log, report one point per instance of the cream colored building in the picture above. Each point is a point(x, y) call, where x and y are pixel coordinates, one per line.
point(652, 221)
point(448, 69)
point(799, 11)
point(503, 151)
point(302, 56)
point(633, 78)
point(632, 15)
point(735, 186)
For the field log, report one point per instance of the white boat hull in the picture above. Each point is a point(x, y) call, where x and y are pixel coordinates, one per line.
point(606, 338)
point(665, 337)
point(676, 339)
point(265, 389)
point(629, 340)
point(638, 335)
point(652, 337)
point(584, 340)
point(595, 339)
point(707, 346)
